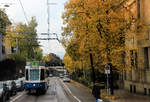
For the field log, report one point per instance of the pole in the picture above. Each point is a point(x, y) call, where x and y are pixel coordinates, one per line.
point(48, 14)
point(16, 45)
point(108, 92)
point(0, 46)
point(93, 70)
point(111, 80)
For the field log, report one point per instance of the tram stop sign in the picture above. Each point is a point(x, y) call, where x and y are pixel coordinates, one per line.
point(107, 69)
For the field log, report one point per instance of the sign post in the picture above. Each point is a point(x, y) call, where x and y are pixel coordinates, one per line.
point(107, 72)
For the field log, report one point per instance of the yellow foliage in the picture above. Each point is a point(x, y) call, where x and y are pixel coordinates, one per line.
point(46, 58)
point(98, 27)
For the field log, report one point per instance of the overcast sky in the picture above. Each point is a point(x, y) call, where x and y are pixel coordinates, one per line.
point(38, 8)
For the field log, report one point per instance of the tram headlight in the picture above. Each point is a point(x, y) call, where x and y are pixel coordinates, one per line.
point(33, 84)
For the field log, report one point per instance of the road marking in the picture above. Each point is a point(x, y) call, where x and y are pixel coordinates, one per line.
point(71, 92)
point(76, 98)
point(16, 98)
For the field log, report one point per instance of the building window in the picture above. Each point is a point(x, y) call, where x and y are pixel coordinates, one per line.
point(146, 58)
point(131, 88)
point(3, 49)
point(134, 89)
point(133, 58)
point(145, 91)
point(138, 9)
point(125, 77)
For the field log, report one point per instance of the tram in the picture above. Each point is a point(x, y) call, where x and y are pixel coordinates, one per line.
point(36, 78)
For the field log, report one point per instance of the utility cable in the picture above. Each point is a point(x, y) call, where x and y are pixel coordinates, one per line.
point(24, 12)
point(48, 14)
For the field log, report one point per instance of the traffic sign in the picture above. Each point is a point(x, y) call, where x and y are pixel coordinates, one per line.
point(107, 69)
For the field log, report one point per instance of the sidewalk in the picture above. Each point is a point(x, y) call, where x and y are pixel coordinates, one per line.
point(80, 91)
point(120, 95)
point(125, 96)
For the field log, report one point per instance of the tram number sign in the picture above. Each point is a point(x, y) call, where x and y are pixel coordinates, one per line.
point(107, 69)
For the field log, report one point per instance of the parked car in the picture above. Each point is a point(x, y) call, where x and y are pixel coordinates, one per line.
point(22, 80)
point(50, 75)
point(61, 75)
point(100, 100)
point(4, 92)
point(66, 78)
point(12, 87)
point(19, 85)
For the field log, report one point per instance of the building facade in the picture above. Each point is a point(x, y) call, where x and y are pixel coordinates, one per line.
point(5, 48)
point(0, 47)
point(137, 77)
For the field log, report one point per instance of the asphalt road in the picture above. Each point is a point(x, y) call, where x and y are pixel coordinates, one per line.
point(57, 92)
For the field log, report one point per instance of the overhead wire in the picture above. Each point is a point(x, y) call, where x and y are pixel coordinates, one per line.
point(48, 14)
point(24, 12)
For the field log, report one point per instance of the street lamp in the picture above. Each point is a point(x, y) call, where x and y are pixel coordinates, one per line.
point(6, 5)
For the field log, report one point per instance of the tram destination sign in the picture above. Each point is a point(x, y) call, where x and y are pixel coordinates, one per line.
point(34, 64)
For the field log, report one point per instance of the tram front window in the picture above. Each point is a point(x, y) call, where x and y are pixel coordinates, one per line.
point(34, 74)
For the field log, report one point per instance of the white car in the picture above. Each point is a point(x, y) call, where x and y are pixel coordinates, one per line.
point(100, 100)
point(61, 75)
point(50, 75)
point(66, 79)
point(19, 85)
point(1, 91)
point(11, 87)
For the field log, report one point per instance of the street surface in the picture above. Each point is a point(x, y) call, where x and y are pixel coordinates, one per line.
point(58, 92)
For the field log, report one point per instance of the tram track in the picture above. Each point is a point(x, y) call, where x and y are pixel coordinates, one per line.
point(57, 92)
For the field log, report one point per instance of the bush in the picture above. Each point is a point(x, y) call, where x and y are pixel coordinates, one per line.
point(83, 81)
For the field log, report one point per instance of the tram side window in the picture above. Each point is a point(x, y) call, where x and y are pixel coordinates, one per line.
point(42, 74)
point(27, 78)
point(47, 73)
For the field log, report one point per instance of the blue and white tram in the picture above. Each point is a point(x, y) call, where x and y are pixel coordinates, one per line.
point(36, 78)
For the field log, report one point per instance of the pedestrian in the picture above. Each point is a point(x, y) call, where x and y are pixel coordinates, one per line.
point(96, 92)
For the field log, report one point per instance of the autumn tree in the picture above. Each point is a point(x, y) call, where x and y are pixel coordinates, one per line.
point(24, 38)
point(46, 58)
point(97, 27)
point(4, 22)
point(52, 59)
